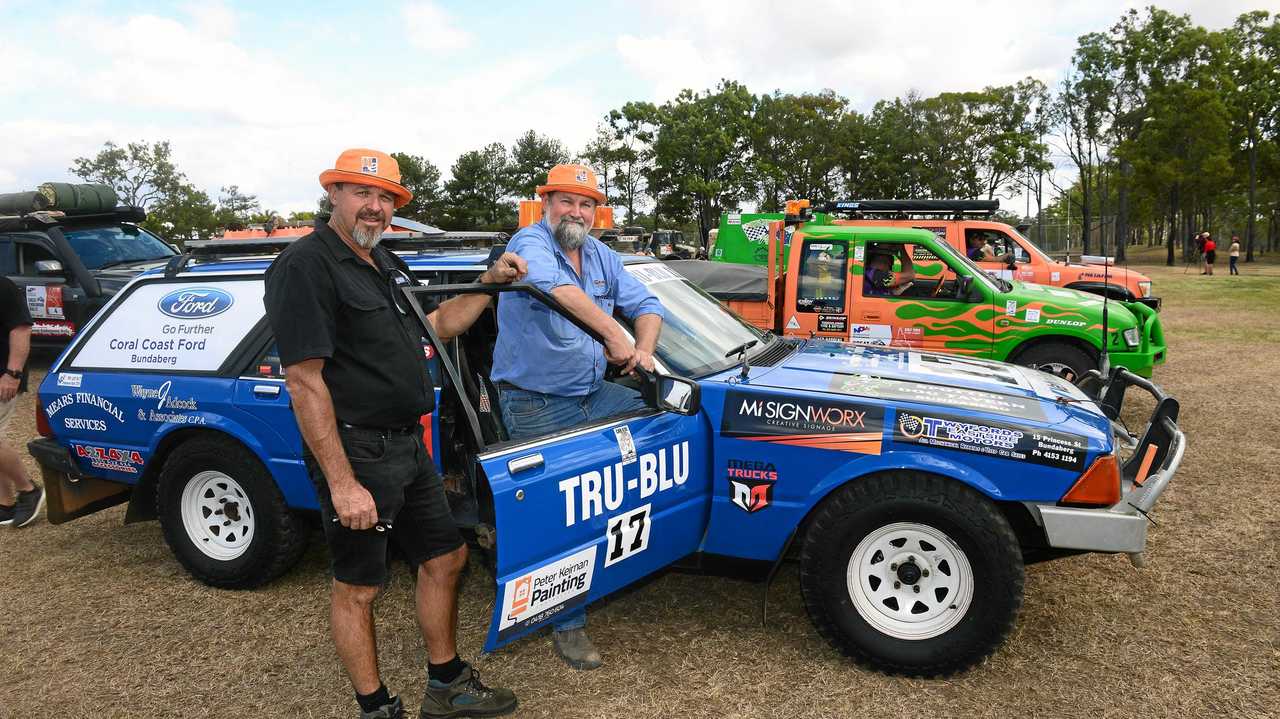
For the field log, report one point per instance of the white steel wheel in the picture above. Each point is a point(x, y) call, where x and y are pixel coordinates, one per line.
point(910, 581)
point(217, 515)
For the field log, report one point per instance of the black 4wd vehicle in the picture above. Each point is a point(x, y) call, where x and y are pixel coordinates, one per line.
point(71, 260)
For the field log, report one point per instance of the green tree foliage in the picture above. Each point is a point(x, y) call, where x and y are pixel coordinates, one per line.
point(235, 208)
point(422, 178)
point(478, 190)
point(531, 157)
point(140, 172)
point(184, 213)
point(697, 153)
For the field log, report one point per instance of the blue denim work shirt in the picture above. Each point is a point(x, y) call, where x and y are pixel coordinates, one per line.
point(538, 349)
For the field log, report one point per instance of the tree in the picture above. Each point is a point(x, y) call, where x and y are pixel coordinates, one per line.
point(184, 213)
point(477, 190)
point(532, 157)
point(793, 146)
point(634, 127)
point(235, 209)
point(698, 150)
point(1255, 70)
point(141, 173)
point(422, 178)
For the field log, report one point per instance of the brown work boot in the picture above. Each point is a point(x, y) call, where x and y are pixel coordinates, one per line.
point(576, 649)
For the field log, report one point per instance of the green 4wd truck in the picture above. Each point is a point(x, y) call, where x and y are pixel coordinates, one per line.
point(816, 288)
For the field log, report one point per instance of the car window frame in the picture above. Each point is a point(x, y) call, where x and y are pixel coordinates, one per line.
point(974, 296)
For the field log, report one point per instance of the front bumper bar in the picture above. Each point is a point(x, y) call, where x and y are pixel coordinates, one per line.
point(1122, 527)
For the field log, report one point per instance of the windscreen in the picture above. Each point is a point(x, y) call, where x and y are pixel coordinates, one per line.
point(100, 247)
point(697, 331)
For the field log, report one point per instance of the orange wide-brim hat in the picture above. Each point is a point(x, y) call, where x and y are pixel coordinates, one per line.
point(578, 179)
point(362, 166)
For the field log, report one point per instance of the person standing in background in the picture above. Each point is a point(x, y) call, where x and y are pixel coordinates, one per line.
point(1234, 255)
point(1210, 253)
point(20, 498)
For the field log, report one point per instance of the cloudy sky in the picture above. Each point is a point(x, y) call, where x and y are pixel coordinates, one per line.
point(266, 94)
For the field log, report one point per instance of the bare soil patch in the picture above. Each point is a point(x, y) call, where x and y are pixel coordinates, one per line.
point(100, 621)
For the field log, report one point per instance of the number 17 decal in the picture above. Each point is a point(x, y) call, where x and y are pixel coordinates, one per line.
point(627, 534)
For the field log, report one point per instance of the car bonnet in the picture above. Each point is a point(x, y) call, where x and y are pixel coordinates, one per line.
point(998, 389)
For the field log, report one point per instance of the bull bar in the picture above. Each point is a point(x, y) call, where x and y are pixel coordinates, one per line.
point(1122, 527)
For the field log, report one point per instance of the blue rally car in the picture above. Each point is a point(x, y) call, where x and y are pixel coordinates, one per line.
point(913, 488)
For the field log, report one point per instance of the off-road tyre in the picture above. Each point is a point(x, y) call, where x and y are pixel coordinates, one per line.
point(208, 472)
point(1057, 358)
point(878, 510)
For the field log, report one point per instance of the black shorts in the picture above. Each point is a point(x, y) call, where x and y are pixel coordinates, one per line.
point(398, 471)
point(1210, 256)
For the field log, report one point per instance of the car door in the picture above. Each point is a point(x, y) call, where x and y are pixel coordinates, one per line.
point(45, 290)
point(819, 290)
point(584, 513)
point(931, 314)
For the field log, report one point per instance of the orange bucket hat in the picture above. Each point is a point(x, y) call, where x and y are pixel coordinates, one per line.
point(363, 166)
point(578, 179)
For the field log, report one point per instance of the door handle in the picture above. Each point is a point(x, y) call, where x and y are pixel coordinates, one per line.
point(522, 464)
point(267, 390)
point(870, 315)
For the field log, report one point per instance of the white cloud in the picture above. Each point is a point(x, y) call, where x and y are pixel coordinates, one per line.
point(430, 28)
point(870, 51)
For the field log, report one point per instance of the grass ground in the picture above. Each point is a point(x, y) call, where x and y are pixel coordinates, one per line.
point(100, 621)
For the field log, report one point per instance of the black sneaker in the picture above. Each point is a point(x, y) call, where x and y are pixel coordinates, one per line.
point(394, 710)
point(466, 696)
point(6, 516)
point(27, 510)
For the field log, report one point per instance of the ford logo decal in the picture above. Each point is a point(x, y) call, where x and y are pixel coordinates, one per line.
point(196, 303)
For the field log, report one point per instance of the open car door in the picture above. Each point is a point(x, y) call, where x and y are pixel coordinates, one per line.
point(586, 511)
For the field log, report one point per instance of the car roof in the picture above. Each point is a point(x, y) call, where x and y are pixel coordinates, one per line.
point(438, 260)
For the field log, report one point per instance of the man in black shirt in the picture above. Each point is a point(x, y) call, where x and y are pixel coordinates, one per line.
point(20, 498)
point(354, 366)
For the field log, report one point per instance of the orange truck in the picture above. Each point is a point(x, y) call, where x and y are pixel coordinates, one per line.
point(817, 286)
point(996, 247)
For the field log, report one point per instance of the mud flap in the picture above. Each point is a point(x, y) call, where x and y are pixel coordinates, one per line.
point(71, 495)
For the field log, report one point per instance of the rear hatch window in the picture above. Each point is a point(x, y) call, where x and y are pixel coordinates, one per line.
point(192, 325)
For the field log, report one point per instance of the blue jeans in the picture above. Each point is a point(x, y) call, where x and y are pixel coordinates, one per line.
point(532, 414)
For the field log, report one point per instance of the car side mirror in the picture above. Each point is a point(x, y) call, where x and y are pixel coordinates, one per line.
point(1010, 262)
point(679, 395)
point(964, 283)
point(49, 268)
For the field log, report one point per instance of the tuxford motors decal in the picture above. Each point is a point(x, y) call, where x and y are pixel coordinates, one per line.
point(83, 399)
point(803, 422)
point(751, 483)
point(1026, 444)
point(546, 591)
point(109, 458)
point(196, 303)
point(591, 494)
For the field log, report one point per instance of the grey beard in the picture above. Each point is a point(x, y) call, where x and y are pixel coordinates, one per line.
point(571, 235)
point(367, 239)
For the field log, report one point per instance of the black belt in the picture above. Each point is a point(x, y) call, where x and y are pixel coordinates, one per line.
point(409, 429)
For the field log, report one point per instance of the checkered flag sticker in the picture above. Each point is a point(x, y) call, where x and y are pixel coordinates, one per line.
point(756, 231)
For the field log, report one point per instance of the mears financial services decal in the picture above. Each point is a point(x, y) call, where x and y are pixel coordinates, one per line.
point(803, 422)
point(1024, 444)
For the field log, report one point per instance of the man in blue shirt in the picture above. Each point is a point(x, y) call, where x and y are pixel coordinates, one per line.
point(549, 373)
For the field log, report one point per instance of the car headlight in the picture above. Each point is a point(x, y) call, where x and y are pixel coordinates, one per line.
point(1132, 337)
point(1144, 288)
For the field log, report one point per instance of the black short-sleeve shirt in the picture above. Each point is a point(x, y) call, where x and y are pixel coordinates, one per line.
point(325, 302)
point(13, 314)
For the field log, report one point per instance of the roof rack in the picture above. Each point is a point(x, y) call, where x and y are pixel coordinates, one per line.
point(42, 219)
point(220, 250)
point(904, 209)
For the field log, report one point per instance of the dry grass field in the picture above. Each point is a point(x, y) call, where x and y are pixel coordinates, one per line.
point(100, 621)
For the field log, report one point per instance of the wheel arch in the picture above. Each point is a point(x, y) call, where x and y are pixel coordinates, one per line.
point(1086, 346)
point(913, 462)
point(142, 505)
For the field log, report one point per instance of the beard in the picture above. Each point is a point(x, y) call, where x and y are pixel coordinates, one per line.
point(367, 238)
point(571, 234)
